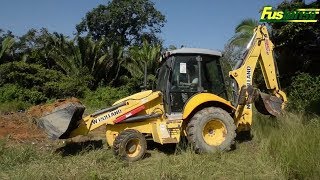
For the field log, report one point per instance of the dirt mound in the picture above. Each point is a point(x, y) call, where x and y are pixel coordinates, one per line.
point(42, 110)
point(22, 126)
point(18, 127)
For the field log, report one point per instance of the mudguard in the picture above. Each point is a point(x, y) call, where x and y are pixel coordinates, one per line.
point(201, 98)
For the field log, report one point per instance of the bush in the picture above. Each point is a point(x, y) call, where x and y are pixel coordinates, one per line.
point(27, 75)
point(304, 94)
point(11, 92)
point(104, 97)
point(67, 87)
point(34, 83)
point(134, 84)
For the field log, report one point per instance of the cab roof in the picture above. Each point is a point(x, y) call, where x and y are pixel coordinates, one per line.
point(195, 51)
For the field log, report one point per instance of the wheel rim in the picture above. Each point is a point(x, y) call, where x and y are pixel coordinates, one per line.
point(214, 132)
point(133, 148)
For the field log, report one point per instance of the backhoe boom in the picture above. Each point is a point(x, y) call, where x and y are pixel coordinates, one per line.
point(260, 49)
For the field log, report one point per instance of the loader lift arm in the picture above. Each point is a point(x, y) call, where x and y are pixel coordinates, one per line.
point(66, 121)
point(259, 49)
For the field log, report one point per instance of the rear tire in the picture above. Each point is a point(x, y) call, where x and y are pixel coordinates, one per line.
point(130, 145)
point(211, 129)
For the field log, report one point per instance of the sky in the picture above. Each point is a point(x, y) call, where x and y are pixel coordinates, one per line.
point(191, 23)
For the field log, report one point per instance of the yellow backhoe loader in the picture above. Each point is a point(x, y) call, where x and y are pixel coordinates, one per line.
point(190, 100)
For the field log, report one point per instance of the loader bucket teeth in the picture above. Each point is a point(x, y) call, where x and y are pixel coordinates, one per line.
point(62, 120)
point(268, 104)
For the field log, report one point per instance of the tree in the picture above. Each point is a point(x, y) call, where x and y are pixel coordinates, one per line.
point(243, 32)
point(297, 45)
point(84, 56)
point(231, 55)
point(124, 22)
point(35, 46)
point(4, 35)
point(6, 45)
point(172, 47)
point(233, 50)
point(139, 56)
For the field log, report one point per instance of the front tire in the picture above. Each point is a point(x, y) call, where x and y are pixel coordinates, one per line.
point(130, 145)
point(211, 129)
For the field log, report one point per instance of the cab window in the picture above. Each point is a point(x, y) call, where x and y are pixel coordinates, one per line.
point(212, 76)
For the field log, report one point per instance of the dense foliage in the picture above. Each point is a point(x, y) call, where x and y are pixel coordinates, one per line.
point(40, 65)
point(34, 84)
point(108, 55)
point(104, 96)
point(297, 50)
point(297, 44)
point(304, 93)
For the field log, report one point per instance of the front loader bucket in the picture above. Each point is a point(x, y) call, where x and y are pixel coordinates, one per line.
point(62, 120)
point(268, 104)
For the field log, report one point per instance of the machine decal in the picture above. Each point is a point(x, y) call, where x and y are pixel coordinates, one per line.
point(183, 68)
point(248, 80)
point(129, 114)
point(164, 131)
point(267, 45)
point(307, 15)
point(107, 116)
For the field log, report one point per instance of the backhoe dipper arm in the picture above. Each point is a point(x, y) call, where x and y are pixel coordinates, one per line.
point(260, 49)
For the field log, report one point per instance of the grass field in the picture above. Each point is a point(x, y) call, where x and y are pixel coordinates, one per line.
point(287, 148)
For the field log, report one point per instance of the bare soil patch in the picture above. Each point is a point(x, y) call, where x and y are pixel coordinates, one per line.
point(20, 128)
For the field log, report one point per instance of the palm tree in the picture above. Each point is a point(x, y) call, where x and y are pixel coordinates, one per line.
point(6, 45)
point(139, 56)
point(83, 56)
point(243, 32)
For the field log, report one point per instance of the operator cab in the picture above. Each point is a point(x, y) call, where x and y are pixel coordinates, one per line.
point(186, 72)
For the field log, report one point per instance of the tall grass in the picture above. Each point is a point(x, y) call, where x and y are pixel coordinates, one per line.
point(293, 142)
point(286, 148)
point(13, 106)
point(100, 164)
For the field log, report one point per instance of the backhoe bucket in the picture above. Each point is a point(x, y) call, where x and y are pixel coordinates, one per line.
point(62, 120)
point(268, 104)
